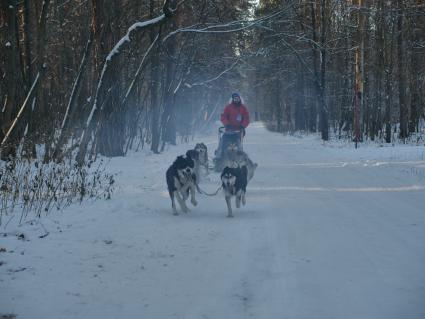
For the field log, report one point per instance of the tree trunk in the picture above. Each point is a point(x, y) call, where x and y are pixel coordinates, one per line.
point(323, 110)
point(71, 107)
point(9, 12)
point(27, 39)
point(389, 61)
point(320, 70)
point(36, 114)
point(155, 69)
point(403, 107)
point(414, 82)
point(300, 109)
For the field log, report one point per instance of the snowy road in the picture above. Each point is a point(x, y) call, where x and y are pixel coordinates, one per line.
point(327, 233)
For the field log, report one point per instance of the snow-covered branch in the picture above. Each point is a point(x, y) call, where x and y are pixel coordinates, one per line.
point(120, 45)
point(130, 88)
point(234, 26)
point(118, 48)
point(214, 78)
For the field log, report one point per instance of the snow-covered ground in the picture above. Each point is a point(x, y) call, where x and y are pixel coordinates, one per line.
point(328, 232)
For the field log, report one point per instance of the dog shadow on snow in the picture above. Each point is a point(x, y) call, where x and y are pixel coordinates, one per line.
point(218, 214)
point(214, 209)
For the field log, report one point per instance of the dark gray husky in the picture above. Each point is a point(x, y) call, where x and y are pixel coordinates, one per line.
point(181, 182)
point(234, 181)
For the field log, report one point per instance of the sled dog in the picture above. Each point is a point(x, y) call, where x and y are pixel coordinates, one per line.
point(194, 155)
point(233, 157)
point(234, 181)
point(202, 149)
point(181, 182)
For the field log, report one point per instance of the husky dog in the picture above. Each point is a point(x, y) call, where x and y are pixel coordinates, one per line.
point(234, 181)
point(233, 157)
point(181, 182)
point(203, 155)
point(229, 156)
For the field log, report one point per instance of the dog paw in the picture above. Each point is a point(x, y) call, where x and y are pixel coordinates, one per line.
point(230, 216)
point(185, 210)
point(194, 202)
point(175, 214)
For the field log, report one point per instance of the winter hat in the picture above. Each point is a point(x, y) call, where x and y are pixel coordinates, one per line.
point(235, 94)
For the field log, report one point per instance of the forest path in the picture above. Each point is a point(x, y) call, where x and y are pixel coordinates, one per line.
point(326, 233)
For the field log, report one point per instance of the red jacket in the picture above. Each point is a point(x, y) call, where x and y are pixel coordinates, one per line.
point(236, 116)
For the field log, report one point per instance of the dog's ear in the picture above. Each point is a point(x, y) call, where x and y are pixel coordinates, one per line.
point(179, 159)
point(226, 170)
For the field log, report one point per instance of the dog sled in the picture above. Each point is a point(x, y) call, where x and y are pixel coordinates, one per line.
point(225, 139)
